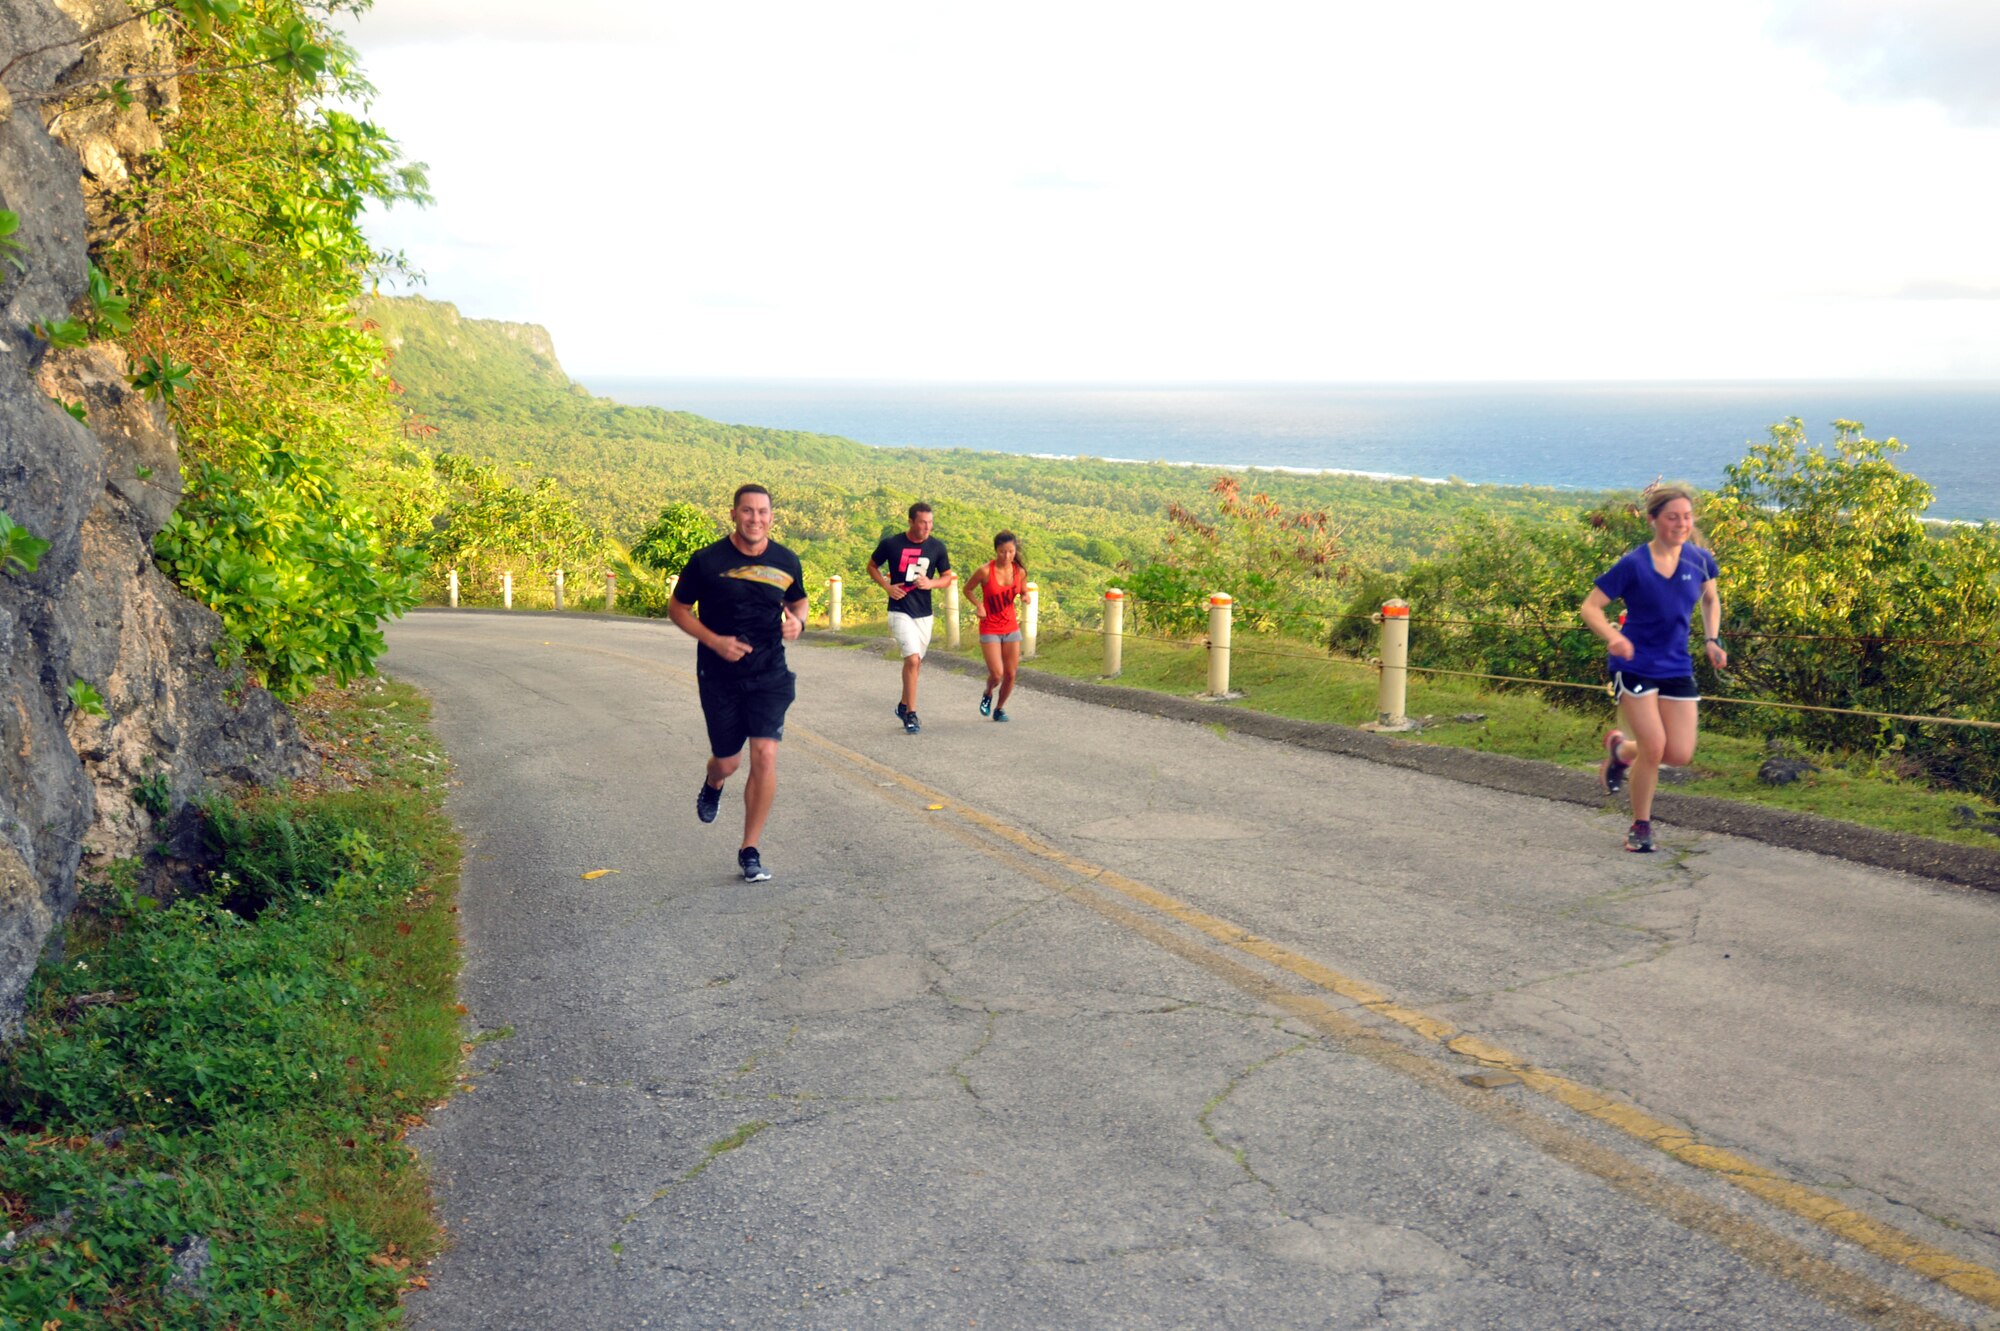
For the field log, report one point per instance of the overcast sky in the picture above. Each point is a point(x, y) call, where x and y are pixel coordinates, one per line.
point(1163, 192)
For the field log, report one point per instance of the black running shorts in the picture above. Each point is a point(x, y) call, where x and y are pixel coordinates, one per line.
point(741, 708)
point(1641, 686)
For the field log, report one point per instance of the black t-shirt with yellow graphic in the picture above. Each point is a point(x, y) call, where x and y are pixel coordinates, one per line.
point(742, 596)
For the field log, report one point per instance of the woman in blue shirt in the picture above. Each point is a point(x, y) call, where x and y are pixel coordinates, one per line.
point(1652, 673)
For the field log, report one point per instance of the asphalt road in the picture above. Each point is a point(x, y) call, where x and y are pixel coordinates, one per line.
point(1154, 1026)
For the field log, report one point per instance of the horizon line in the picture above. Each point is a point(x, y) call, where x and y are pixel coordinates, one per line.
point(1114, 382)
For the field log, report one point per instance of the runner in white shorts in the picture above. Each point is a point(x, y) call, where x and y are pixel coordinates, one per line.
point(908, 566)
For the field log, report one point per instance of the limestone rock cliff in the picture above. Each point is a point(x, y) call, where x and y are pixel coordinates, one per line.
point(75, 786)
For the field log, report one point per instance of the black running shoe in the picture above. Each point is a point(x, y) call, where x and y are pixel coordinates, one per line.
point(1611, 769)
point(1640, 838)
point(910, 722)
point(999, 716)
point(901, 710)
point(707, 802)
point(986, 704)
point(753, 867)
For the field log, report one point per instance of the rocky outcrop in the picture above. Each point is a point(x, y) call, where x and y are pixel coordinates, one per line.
point(76, 786)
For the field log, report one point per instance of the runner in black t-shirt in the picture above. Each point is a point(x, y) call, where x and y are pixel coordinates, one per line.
point(752, 595)
point(908, 565)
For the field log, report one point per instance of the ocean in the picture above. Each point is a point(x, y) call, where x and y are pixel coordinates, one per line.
point(1579, 436)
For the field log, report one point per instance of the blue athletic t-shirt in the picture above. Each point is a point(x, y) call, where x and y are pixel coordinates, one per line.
point(1658, 610)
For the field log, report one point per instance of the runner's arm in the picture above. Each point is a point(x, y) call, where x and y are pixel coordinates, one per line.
point(895, 589)
point(1711, 625)
point(729, 649)
point(795, 617)
point(1592, 611)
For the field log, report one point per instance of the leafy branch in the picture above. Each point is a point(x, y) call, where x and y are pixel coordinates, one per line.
point(20, 549)
point(83, 696)
point(10, 248)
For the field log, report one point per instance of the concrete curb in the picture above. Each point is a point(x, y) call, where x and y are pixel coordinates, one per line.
point(1965, 866)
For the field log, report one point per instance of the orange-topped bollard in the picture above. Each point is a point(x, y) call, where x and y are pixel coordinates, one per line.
point(1114, 632)
point(833, 603)
point(559, 589)
point(452, 589)
point(506, 591)
point(610, 592)
point(951, 615)
point(1221, 606)
point(1392, 692)
point(1031, 622)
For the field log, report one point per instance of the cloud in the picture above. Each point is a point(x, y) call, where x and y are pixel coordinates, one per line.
point(1942, 51)
point(1947, 290)
point(727, 300)
point(1053, 180)
point(410, 22)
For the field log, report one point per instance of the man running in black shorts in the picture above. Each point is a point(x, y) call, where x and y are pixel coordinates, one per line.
point(752, 595)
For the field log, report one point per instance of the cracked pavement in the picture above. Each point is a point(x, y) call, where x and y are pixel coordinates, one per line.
point(919, 1079)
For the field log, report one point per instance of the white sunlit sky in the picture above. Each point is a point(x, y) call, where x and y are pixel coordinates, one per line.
point(1715, 189)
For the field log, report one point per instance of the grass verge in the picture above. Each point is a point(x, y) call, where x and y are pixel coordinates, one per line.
point(202, 1124)
point(1299, 681)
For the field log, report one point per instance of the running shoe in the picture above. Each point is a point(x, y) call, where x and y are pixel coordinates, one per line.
point(986, 704)
point(1640, 838)
point(910, 722)
point(1000, 716)
point(901, 710)
point(707, 802)
point(1611, 769)
point(752, 866)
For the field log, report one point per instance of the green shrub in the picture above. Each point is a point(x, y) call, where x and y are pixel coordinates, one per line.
point(222, 1019)
point(295, 569)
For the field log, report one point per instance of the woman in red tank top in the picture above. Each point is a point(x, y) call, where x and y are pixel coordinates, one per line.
point(999, 586)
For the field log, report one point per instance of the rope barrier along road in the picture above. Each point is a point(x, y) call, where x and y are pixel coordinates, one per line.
point(1559, 683)
point(1867, 640)
point(1728, 702)
point(1236, 647)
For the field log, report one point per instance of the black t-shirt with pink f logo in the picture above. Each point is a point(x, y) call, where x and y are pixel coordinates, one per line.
point(904, 560)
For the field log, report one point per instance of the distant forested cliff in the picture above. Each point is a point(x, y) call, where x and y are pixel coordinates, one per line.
point(494, 393)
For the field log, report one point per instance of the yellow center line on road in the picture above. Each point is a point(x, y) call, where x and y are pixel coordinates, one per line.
point(1959, 1274)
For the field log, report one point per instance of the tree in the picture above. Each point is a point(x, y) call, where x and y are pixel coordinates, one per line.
point(1283, 566)
point(229, 264)
point(1825, 551)
point(679, 531)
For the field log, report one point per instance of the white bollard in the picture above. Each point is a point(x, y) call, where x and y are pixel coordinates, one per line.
point(673, 581)
point(610, 592)
point(951, 615)
point(1032, 623)
point(1392, 693)
point(559, 589)
point(454, 589)
point(1114, 632)
point(833, 602)
point(1220, 606)
point(507, 591)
